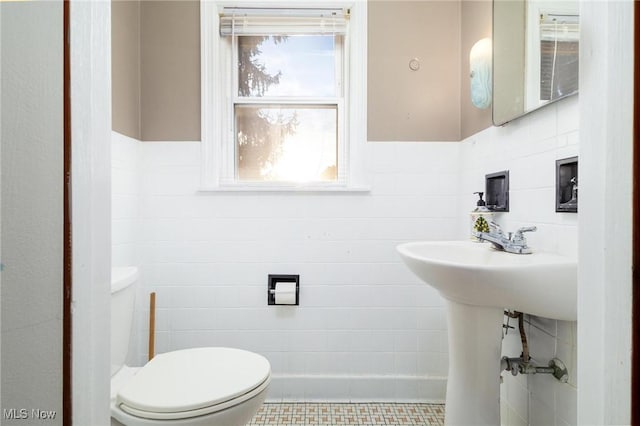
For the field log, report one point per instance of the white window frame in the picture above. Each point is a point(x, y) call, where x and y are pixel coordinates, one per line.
point(218, 140)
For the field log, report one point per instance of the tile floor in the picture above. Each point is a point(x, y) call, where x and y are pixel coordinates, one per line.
point(325, 414)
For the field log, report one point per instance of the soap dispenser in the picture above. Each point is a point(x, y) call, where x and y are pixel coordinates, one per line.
point(481, 216)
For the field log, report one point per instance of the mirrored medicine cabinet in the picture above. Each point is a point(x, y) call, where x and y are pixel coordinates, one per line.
point(535, 55)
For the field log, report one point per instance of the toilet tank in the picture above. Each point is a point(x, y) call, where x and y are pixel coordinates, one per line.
point(123, 290)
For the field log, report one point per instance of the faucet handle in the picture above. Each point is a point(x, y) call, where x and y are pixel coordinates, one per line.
point(520, 231)
point(527, 229)
point(495, 228)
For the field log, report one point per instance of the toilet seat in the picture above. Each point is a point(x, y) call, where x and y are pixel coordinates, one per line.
point(194, 382)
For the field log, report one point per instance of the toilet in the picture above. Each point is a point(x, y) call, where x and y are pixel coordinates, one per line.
point(196, 387)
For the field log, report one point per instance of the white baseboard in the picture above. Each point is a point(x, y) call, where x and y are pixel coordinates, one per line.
point(344, 388)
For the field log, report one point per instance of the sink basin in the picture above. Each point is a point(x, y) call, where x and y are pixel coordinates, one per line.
point(542, 284)
point(478, 282)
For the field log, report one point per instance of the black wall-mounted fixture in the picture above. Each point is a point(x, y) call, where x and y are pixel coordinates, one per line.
point(497, 191)
point(567, 185)
point(271, 288)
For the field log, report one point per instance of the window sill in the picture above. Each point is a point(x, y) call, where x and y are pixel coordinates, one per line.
point(284, 188)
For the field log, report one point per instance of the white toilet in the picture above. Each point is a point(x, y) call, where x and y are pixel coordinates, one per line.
point(200, 386)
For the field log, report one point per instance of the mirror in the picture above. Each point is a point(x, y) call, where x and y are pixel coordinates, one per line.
point(535, 55)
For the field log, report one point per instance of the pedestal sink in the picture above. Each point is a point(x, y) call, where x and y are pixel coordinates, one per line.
point(478, 283)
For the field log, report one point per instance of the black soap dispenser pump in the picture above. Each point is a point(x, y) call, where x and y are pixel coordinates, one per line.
point(481, 216)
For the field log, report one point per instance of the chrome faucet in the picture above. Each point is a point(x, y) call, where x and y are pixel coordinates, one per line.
point(510, 242)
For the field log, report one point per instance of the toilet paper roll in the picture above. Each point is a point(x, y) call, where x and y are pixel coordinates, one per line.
point(285, 294)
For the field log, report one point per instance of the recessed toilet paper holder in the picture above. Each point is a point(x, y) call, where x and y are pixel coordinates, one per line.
point(273, 280)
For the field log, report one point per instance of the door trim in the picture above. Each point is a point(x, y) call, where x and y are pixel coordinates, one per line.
point(67, 253)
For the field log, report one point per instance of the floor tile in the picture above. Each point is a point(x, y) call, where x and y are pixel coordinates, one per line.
point(338, 414)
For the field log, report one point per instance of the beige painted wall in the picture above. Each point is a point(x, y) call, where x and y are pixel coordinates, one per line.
point(476, 23)
point(125, 67)
point(156, 69)
point(406, 105)
point(170, 70)
point(403, 105)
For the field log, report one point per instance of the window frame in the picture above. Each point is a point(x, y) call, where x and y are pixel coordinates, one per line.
point(218, 99)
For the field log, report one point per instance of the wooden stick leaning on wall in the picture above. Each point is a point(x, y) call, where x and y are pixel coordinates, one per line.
point(152, 325)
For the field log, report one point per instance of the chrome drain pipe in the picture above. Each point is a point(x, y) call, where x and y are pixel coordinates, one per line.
point(519, 366)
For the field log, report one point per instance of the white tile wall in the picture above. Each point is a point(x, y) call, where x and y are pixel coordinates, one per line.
point(528, 148)
point(366, 329)
point(124, 200)
point(125, 223)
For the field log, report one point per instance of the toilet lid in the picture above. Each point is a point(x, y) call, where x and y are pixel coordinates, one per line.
point(193, 379)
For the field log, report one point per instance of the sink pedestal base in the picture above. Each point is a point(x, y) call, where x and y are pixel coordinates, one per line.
point(473, 386)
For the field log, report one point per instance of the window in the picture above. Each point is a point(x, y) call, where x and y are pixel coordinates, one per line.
point(281, 109)
point(551, 51)
point(287, 107)
point(559, 48)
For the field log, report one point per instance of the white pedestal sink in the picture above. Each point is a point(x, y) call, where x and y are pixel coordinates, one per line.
point(478, 283)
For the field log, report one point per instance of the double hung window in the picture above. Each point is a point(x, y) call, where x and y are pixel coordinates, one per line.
point(281, 105)
point(286, 109)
